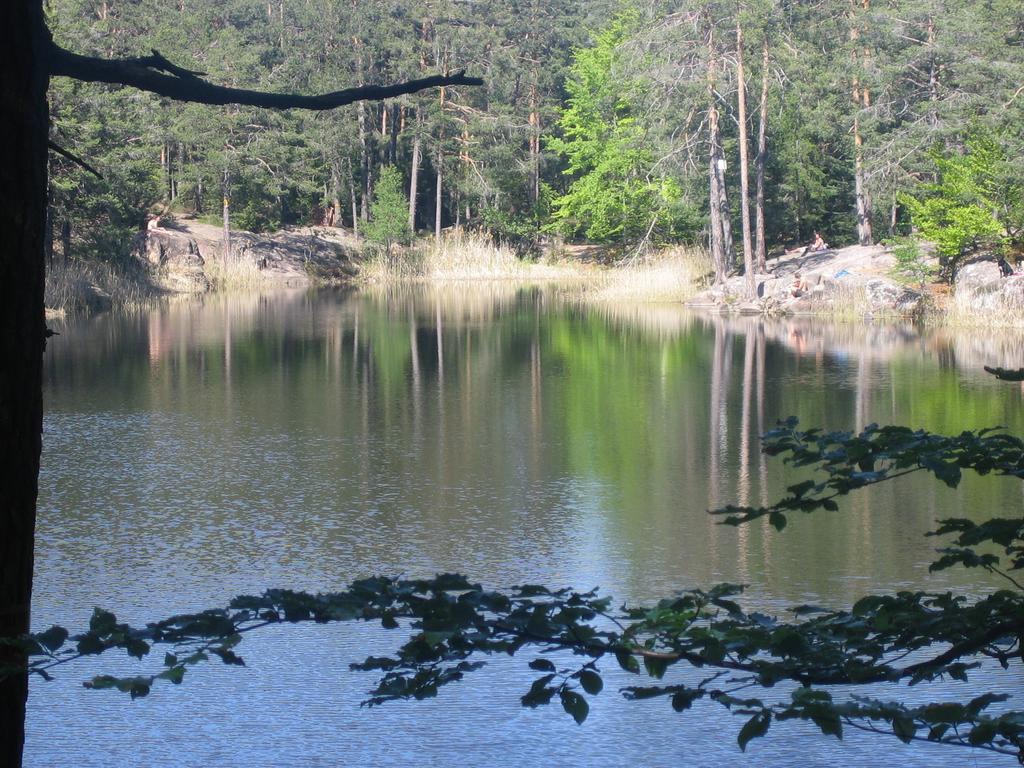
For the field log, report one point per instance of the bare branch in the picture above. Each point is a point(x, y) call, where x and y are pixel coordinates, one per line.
point(156, 74)
point(73, 158)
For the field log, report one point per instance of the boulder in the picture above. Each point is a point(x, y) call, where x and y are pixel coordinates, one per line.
point(175, 258)
point(980, 287)
point(885, 296)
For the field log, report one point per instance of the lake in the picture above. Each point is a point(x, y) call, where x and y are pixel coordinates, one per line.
point(224, 445)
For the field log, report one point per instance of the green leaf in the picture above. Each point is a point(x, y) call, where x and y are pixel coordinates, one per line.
point(904, 728)
point(102, 622)
point(575, 705)
point(683, 698)
point(628, 662)
point(53, 638)
point(591, 682)
point(754, 728)
point(655, 667)
point(136, 647)
point(829, 723)
point(542, 665)
point(174, 674)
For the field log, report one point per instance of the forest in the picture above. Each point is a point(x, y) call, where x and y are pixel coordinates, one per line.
point(742, 126)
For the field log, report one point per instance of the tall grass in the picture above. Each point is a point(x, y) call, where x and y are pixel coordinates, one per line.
point(672, 275)
point(234, 274)
point(675, 274)
point(460, 255)
point(89, 286)
point(1003, 307)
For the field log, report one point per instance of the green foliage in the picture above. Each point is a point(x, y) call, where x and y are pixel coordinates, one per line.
point(968, 208)
point(389, 215)
point(449, 622)
point(911, 268)
point(614, 195)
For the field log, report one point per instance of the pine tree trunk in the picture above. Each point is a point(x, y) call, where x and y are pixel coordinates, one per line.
point(741, 99)
point(438, 198)
point(760, 244)
point(534, 141)
point(352, 195)
point(65, 239)
point(861, 100)
point(440, 174)
point(364, 149)
point(23, 82)
point(393, 135)
point(719, 254)
point(414, 173)
point(226, 236)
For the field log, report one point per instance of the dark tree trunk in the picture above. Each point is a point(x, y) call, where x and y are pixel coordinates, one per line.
point(65, 239)
point(23, 84)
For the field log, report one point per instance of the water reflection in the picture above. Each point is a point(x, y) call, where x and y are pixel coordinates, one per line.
point(224, 445)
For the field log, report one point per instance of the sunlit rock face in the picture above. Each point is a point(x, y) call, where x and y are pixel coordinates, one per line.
point(175, 259)
point(849, 281)
point(981, 289)
point(188, 256)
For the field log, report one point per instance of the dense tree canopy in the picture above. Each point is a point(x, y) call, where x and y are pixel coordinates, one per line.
point(593, 121)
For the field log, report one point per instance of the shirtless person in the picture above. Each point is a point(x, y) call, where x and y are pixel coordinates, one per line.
point(819, 243)
point(799, 287)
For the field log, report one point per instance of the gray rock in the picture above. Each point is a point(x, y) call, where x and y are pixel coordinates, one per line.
point(979, 287)
point(175, 258)
point(887, 296)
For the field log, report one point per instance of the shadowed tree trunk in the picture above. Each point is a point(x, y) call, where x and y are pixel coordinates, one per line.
point(23, 84)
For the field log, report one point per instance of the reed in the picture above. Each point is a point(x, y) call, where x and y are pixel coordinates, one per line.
point(235, 274)
point(671, 275)
point(90, 286)
point(459, 255)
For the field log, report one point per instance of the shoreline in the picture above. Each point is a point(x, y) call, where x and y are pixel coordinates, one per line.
point(845, 284)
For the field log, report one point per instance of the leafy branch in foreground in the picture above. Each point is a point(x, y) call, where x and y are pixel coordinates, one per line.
point(894, 640)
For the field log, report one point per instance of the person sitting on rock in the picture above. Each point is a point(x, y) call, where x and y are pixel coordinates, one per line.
point(153, 222)
point(799, 287)
point(819, 243)
point(1005, 270)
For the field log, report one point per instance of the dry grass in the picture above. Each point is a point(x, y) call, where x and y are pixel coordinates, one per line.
point(459, 256)
point(80, 286)
point(672, 275)
point(1003, 308)
point(235, 274)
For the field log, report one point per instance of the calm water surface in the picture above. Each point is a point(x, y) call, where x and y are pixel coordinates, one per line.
point(302, 440)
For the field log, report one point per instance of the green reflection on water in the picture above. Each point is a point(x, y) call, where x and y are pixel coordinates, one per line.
point(516, 434)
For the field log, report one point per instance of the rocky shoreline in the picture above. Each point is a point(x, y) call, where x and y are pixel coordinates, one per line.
point(851, 280)
point(181, 254)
